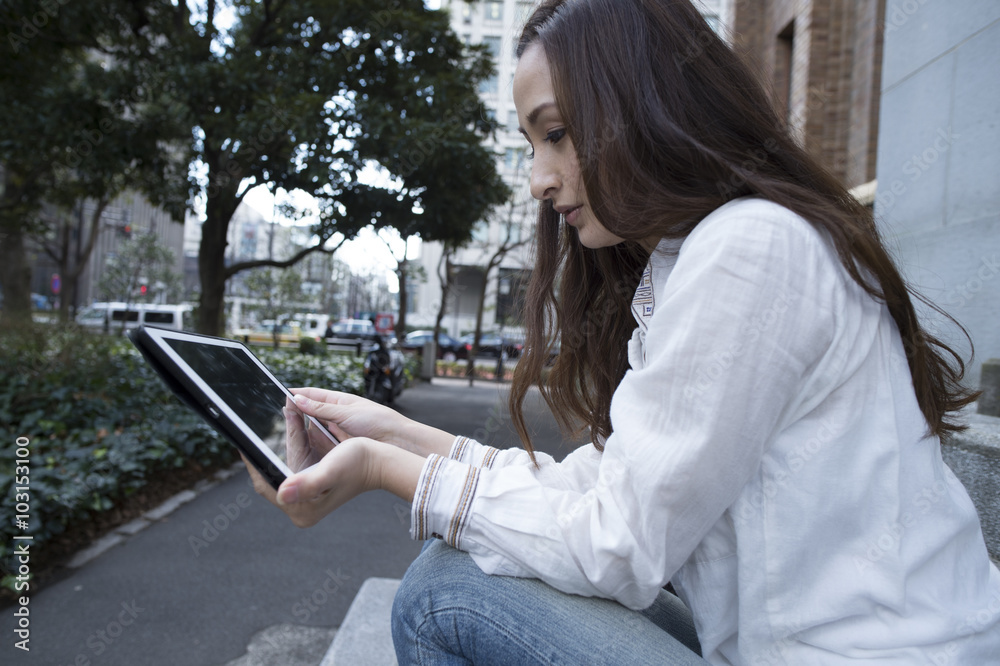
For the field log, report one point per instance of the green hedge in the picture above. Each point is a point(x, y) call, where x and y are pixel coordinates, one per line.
point(101, 423)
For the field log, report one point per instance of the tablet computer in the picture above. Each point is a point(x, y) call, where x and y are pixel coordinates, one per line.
point(236, 394)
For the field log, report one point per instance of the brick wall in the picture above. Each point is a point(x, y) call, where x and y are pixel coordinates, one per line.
point(832, 96)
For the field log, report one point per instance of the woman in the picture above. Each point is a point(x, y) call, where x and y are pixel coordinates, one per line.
point(765, 407)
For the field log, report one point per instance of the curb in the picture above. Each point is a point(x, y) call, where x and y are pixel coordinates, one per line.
point(118, 535)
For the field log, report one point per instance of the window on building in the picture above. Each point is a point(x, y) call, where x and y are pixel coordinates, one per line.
point(512, 158)
point(489, 86)
point(783, 70)
point(512, 122)
point(511, 288)
point(494, 11)
point(481, 232)
point(493, 45)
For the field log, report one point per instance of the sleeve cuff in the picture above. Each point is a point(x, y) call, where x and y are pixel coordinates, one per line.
point(473, 453)
point(442, 503)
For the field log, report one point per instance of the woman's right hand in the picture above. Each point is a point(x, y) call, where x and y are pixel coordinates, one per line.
point(348, 416)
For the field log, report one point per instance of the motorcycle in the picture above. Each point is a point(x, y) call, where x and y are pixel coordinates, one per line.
point(383, 370)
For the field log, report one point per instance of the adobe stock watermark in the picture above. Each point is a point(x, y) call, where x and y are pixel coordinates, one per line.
point(31, 27)
point(988, 269)
point(915, 167)
point(755, 159)
point(750, 332)
point(889, 538)
point(100, 640)
point(899, 13)
point(793, 462)
point(212, 529)
point(328, 589)
point(973, 623)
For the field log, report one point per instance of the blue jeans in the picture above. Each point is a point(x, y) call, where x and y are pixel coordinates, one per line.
point(447, 611)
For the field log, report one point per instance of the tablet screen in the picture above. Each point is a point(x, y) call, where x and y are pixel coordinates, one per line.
point(239, 381)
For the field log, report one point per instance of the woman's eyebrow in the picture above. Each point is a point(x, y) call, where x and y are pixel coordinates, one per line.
point(533, 116)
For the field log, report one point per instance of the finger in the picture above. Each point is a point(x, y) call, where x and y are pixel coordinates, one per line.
point(296, 444)
point(325, 395)
point(260, 484)
point(324, 411)
point(333, 471)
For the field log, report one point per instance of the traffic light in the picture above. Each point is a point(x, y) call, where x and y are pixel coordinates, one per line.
point(142, 289)
point(125, 230)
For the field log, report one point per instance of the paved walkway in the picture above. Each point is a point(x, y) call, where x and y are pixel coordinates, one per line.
point(219, 576)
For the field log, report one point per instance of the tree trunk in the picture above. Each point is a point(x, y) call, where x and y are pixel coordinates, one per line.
point(212, 273)
point(15, 278)
point(404, 298)
point(445, 290)
point(212, 251)
point(71, 276)
point(470, 368)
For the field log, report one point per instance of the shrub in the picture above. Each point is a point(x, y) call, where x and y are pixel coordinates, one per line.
point(101, 424)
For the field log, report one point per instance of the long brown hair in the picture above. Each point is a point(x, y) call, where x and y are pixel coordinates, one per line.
point(668, 125)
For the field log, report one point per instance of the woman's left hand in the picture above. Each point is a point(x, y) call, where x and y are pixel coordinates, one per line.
point(345, 472)
point(349, 469)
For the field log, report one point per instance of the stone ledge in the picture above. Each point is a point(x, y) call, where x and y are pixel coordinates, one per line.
point(974, 456)
point(365, 636)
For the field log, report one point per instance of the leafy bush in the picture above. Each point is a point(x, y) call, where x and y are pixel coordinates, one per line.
point(102, 424)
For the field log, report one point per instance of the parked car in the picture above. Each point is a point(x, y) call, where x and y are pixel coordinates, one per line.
point(448, 348)
point(354, 328)
point(357, 335)
point(289, 335)
point(494, 345)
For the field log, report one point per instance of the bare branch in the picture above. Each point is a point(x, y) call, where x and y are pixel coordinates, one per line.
point(274, 263)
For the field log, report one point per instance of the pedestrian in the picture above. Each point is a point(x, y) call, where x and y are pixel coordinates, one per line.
point(765, 407)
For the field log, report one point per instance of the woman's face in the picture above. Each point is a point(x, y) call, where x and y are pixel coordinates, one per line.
point(555, 170)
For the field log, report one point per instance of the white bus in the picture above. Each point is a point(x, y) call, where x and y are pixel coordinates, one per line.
point(109, 316)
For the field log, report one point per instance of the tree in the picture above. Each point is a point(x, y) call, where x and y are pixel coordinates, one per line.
point(76, 127)
point(370, 107)
point(318, 96)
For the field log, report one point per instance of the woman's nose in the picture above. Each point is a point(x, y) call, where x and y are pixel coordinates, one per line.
point(544, 178)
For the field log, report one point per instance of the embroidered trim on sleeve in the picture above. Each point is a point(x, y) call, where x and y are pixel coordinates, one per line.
point(490, 457)
point(424, 489)
point(463, 508)
point(642, 302)
point(459, 448)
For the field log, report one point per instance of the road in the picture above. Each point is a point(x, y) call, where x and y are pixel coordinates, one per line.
point(194, 587)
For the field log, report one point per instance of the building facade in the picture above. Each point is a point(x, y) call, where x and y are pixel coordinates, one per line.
point(822, 60)
point(125, 216)
point(497, 24)
point(938, 197)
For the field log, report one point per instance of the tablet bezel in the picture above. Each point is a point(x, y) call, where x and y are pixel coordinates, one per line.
point(193, 390)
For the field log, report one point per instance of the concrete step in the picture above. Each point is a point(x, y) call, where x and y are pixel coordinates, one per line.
point(365, 638)
point(974, 456)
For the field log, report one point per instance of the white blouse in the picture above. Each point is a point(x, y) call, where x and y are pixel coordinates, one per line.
point(768, 457)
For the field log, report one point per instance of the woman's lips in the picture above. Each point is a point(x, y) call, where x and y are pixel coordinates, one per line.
point(572, 216)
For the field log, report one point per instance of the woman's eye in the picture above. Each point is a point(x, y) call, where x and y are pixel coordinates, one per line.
point(555, 136)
